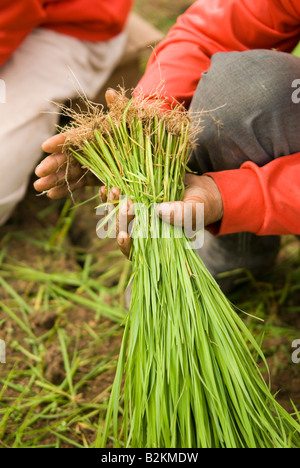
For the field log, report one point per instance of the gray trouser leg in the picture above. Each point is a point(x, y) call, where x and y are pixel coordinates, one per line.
point(244, 106)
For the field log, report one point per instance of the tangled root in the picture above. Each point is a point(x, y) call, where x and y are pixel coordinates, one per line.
point(83, 125)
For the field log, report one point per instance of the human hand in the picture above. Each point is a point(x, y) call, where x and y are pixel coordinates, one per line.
point(52, 170)
point(123, 220)
point(199, 190)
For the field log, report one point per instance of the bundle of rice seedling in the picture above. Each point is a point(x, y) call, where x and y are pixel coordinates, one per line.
point(185, 375)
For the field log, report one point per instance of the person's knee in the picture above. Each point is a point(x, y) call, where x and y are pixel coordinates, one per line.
point(238, 82)
point(242, 102)
point(255, 74)
point(9, 200)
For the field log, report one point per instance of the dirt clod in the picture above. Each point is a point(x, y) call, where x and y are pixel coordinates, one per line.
point(45, 321)
point(54, 365)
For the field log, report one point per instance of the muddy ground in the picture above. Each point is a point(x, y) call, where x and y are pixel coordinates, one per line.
point(40, 239)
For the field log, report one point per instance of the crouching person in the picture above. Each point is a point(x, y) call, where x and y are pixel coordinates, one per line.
point(48, 51)
point(219, 60)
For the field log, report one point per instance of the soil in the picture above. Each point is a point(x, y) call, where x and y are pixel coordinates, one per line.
point(27, 220)
point(285, 375)
point(19, 240)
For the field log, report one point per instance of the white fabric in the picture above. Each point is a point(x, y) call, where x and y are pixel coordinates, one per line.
point(47, 67)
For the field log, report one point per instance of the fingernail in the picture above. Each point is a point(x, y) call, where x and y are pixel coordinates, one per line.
point(114, 193)
point(163, 209)
point(46, 142)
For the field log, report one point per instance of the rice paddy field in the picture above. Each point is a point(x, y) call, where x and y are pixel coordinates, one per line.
point(62, 303)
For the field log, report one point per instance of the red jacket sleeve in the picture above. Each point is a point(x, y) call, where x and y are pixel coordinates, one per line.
point(90, 20)
point(208, 27)
point(17, 19)
point(263, 200)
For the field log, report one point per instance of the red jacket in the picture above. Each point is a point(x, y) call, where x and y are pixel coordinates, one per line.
point(91, 20)
point(260, 200)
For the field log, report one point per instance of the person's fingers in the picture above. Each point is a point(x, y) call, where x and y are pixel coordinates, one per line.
point(60, 192)
point(111, 199)
point(103, 194)
point(110, 96)
point(125, 217)
point(54, 144)
point(64, 190)
point(203, 190)
point(189, 179)
point(51, 164)
point(124, 242)
point(187, 213)
point(171, 212)
point(58, 178)
point(202, 204)
point(114, 195)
